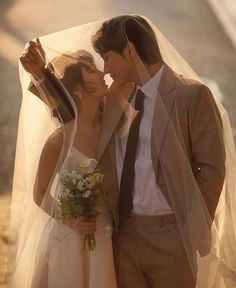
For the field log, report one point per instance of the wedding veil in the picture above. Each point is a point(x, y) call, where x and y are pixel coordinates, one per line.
point(32, 224)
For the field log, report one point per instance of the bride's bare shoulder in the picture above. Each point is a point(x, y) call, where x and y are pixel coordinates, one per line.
point(53, 145)
point(56, 139)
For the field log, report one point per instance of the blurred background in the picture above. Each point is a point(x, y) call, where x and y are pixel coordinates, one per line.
point(203, 31)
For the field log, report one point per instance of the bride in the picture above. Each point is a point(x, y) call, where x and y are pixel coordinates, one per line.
point(87, 86)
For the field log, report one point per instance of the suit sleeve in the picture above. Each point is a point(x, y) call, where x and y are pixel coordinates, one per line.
point(206, 136)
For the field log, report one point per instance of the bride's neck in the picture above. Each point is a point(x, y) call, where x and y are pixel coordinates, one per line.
point(89, 111)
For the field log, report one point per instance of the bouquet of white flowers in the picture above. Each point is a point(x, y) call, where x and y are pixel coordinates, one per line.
point(79, 196)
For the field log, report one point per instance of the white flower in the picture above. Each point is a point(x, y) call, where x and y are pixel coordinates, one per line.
point(84, 165)
point(73, 173)
point(79, 176)
point(91, 181)
point(87, 194)
point(65, 192)
point(92, 165)
point(87, 165)
point(99, 177)
point(80, 186)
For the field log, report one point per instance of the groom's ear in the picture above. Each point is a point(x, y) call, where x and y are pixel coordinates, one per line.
point(127, 52)
point(130, 51)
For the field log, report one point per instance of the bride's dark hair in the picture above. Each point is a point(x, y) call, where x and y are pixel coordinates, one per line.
point(68, 67)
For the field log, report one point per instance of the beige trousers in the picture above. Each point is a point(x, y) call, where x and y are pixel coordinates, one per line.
point(149, 253)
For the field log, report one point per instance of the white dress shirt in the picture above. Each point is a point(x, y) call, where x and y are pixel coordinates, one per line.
point(147, 197)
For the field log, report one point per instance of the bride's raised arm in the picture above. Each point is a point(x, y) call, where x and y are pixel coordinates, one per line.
point(44, 84)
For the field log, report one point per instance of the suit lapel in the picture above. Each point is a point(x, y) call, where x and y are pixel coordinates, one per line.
point(164, 102)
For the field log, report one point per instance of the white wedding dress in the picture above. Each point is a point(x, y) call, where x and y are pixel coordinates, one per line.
point(66, 264)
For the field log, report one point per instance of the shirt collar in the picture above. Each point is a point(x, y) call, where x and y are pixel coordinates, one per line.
point(152, 85)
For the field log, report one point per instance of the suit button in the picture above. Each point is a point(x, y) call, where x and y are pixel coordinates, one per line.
point(107, 193)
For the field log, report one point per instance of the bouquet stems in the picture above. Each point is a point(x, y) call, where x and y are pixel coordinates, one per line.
point(89, 239)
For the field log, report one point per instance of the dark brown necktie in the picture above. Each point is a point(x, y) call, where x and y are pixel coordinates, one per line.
point(128, 172)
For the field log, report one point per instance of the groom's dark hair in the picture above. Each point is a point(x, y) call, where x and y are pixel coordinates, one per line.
point(115, 33)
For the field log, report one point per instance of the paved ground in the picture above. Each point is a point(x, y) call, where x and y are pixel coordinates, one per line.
point(190, 25)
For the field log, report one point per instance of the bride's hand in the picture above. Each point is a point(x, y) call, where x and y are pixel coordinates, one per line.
point(33, 59)
point(86, 227)
point(80, 225)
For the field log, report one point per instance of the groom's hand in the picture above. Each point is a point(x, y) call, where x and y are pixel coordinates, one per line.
point(33, 59)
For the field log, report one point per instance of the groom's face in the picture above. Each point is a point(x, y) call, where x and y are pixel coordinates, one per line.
point(119, 66)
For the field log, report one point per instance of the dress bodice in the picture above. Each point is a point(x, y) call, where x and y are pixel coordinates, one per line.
point(75, 157)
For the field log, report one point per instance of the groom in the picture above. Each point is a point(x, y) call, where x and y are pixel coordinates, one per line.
point(148, 246)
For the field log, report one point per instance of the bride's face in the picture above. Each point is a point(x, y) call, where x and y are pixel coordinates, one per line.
point(93, 81)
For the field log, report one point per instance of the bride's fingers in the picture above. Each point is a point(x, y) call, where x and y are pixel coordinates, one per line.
point(34, 52)
point(81, 220)
point(31, 56)
point(23, 59)
point(31, 46)
point(87, 231)
point(39, 43)
point(26, 63)
point(88, 226)
point(40, 48)
point(83, 227)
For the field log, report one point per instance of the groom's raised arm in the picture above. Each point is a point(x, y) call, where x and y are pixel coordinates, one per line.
point(208, 151)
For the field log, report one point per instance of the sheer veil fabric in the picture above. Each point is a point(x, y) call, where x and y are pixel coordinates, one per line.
point(32, 225)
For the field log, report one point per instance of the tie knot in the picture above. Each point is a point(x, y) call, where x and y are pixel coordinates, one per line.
point(139, 100)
